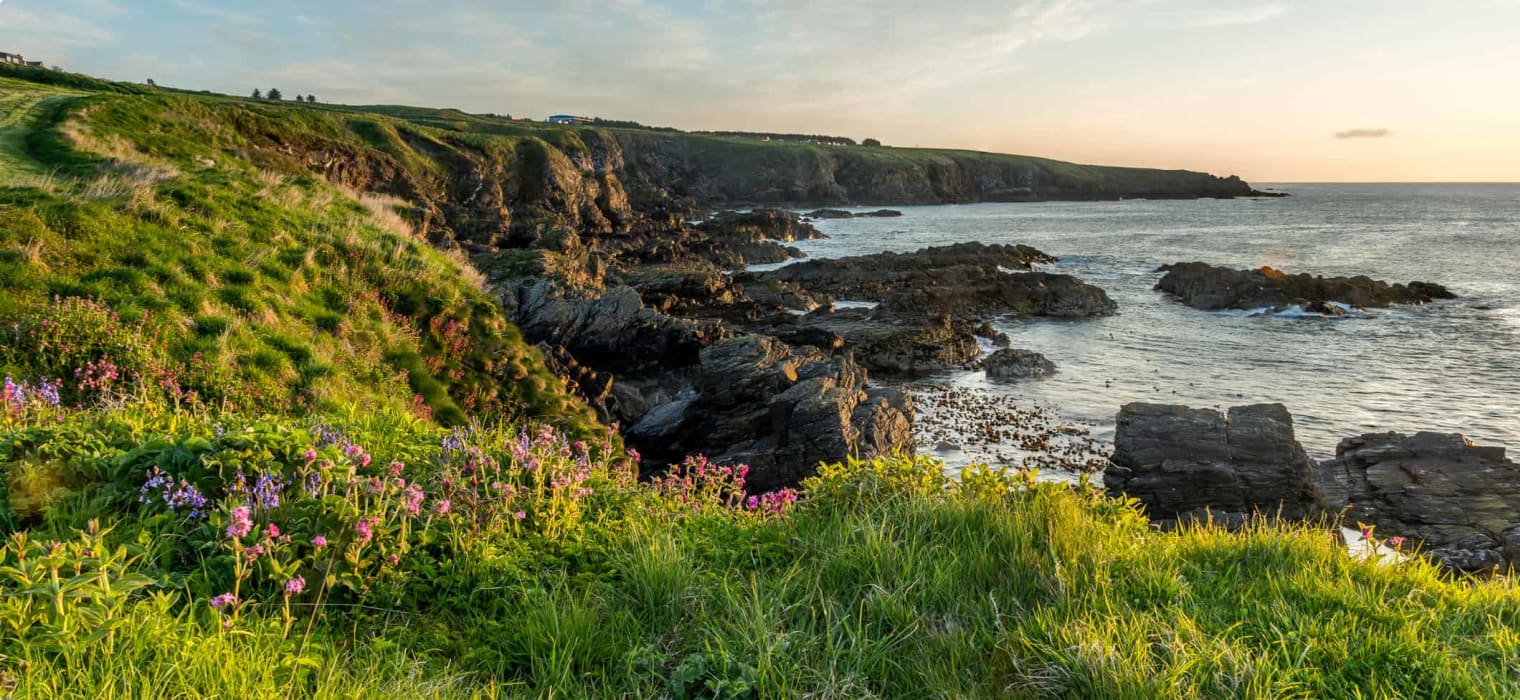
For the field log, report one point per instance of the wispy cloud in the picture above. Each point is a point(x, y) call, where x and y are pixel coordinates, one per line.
point(1363, 134)
point(1235, 17)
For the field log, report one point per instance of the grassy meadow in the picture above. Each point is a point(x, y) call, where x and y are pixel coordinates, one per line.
point(260, 439)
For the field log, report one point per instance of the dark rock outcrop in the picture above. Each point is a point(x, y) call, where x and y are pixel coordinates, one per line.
point(1459, 501)
point(969, 280)
point(1211, 288)
point(1011, 364)
point(782, 410)
point(612, 332)
point(842, 214)
point(900, 344)
point(759, 224)
point(1184, 463)
point(998, 338)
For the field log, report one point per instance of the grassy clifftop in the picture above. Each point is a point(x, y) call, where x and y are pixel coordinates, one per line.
point(165, 244)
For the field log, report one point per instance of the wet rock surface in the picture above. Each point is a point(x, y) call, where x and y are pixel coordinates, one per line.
point(1213, 288)
point(1011, 365)
point(969, 280)
point(842, 214)
point(1189, 464)
point(1458, 500)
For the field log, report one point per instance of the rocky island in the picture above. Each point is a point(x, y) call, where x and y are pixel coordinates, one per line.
point(1212, 288)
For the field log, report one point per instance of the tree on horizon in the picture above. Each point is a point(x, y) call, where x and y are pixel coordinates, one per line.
point(274, 94)
point(257, 95)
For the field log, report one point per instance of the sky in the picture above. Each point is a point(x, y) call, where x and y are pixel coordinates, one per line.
point(1291, 91)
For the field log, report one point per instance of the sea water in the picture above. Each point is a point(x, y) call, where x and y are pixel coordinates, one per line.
point(1452, 366)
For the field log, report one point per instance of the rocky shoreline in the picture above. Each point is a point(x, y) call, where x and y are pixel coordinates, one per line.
point(666, 333)
point(664, 329)
point(1451, 500)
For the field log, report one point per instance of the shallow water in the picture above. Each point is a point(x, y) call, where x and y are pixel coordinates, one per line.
point(1451, 366)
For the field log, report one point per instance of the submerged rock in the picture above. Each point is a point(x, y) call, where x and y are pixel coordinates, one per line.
point(1187, 463)
point(1011, 364)
point(1213, 288)
point(1458, 500)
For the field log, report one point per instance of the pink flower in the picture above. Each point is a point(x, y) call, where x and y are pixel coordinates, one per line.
point(1396, 542)
point(295, 586)
point(396, 468)
point(242, 522)
point(412, 499)
point(364, 460)
point(393, 559)
point(254, 552)
point(310, 455)
point(1366, 533)
point(520, 515)
point(442, 506)
point(366, 528)
point(224, 600)
point(319, 541)
point(272, 531)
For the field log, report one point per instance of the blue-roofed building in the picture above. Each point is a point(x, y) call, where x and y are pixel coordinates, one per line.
point(568, 119)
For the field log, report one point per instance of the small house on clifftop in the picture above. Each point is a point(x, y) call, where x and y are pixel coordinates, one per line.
point(568, 119)
point(16, 59)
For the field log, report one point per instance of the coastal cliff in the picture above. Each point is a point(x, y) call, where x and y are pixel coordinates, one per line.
point(713, 169)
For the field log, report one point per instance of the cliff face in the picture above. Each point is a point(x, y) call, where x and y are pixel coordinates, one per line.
point(716, 170)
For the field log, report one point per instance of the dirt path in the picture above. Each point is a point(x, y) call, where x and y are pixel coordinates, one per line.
point(22, 111)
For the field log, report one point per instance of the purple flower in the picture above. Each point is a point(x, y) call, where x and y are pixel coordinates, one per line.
point(224, 600)
point(266, 490)
point(295, 586)
point(242, 522)
point(319, 541)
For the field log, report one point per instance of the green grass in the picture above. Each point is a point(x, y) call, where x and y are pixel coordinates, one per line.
point(277, 288)
point(886, 580)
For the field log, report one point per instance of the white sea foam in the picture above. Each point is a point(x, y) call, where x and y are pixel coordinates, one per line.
point(848, 304)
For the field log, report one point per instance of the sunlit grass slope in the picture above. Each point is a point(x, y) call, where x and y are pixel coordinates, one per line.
point(135, 233)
